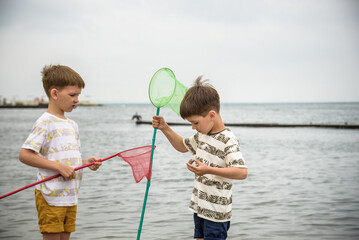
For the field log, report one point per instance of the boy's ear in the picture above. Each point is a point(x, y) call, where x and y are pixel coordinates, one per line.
point(212, 114)
point(54, 93)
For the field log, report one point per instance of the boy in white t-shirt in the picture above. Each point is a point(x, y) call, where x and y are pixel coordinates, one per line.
point(53, 146)
point(218, 160)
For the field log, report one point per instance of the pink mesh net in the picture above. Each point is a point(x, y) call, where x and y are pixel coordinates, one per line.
point(140, 162)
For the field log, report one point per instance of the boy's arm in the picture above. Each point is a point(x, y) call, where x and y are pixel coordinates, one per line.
point(29, 157)
point(175, 139)
point(231, 172)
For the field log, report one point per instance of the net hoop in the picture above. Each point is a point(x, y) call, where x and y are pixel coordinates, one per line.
point(123, 153)
point(153, 79)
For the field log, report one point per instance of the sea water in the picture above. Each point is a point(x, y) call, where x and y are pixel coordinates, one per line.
point(302, 182)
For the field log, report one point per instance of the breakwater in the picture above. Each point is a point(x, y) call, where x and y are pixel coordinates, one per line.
point(277, 125)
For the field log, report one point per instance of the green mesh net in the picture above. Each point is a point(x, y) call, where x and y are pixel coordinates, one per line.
point(166, 90)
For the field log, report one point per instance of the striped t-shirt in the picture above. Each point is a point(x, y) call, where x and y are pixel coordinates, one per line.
point(212, 195)
point(57, 140)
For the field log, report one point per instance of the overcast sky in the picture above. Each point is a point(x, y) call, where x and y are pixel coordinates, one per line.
point(251, 50)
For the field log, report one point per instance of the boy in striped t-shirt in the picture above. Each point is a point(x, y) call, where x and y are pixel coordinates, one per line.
point(53, 146)
point(217, 161)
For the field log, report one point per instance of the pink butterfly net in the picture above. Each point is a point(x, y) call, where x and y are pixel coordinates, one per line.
point(140, 162)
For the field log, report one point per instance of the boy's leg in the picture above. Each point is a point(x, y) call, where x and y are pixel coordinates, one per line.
point(65, 236)
point(51, 236)
point(56, 236)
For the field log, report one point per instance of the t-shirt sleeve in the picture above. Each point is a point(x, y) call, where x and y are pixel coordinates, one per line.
point(234, 157)
point(191, 143)
point(36, 138)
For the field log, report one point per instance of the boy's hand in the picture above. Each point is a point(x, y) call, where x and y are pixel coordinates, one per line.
point(199, 168)
point(91, 160)
point(175, 139)
point(66, 171)
point(231, 172)
point(159, 122)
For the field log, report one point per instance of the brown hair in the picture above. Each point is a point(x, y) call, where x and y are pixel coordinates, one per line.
point(201, 98)
point(59, 76)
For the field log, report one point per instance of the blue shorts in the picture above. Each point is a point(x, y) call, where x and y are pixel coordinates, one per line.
point(209, 230)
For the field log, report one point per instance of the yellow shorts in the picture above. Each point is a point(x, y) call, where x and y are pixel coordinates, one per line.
point(53, 219)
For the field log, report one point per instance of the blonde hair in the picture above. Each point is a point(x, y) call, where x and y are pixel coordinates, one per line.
point(201, 98)
point(59, 76)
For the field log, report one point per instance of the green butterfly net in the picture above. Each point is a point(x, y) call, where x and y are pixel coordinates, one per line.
point(166, 90)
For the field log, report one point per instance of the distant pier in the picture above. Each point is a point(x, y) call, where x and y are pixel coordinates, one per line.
point(30, 104)
point(266, 125)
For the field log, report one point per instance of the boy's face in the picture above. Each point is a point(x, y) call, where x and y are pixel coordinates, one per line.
point(202, 124)
point(67, 98)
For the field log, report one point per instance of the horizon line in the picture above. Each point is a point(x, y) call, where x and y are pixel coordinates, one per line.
point(274, 102)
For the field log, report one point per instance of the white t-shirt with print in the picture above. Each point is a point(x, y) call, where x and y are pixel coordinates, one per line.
point(57, 140)
point(212, 195)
